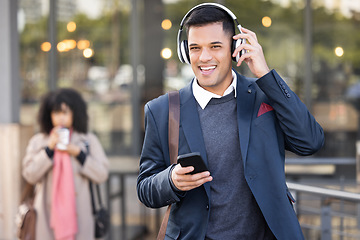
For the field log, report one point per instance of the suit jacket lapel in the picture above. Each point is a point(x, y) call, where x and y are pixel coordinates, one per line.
point(245, 105)
point(190, 123)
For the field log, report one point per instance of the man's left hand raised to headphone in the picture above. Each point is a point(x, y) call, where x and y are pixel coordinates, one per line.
point(253, 56)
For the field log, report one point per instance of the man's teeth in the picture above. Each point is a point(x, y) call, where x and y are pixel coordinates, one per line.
point(207, 68)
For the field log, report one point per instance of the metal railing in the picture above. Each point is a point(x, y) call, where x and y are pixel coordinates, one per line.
point(327, 197)
point(320, 161)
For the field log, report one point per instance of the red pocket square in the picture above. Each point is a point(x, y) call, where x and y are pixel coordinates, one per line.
point(264, 108)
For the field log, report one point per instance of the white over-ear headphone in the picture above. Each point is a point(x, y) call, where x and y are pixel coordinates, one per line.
point(182, 46)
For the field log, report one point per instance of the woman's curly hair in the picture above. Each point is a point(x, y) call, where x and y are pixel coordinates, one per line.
point(52, 102)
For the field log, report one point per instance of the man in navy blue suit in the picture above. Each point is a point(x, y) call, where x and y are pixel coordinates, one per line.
point(240, 126)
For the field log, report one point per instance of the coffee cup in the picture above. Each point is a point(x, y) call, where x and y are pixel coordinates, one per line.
point(64, 138)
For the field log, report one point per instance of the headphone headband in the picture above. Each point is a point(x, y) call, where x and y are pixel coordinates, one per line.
point(208, 4)
point(180, 47)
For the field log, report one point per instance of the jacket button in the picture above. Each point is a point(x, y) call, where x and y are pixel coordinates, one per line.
point(207, 207)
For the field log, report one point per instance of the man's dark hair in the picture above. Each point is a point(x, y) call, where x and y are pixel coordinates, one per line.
point(52, 101)
point(210, 14)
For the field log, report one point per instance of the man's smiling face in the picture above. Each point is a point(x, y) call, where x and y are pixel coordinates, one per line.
point(210, 56)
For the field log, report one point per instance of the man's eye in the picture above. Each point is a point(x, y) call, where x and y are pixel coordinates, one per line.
point(194, 48)
point(216, 46)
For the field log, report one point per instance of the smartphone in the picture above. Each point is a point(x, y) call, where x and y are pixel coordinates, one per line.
point(193, 159)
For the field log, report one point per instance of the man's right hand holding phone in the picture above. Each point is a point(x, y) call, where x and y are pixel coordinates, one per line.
point(184, 181)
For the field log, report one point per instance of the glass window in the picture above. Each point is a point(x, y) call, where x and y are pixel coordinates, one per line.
point(94, 52)
point(333, 91)
point(92, 56)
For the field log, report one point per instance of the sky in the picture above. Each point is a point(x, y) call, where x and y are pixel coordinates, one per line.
point(345, 6)
point(93, 8)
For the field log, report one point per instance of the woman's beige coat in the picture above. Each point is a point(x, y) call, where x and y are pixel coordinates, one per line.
point(37, 169)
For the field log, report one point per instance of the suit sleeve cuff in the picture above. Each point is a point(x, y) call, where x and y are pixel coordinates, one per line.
point(176, 190)
point(266, 77)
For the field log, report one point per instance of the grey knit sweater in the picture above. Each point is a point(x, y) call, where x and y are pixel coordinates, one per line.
point(234, 211)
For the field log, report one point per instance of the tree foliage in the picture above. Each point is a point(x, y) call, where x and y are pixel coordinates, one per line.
point(282, 42)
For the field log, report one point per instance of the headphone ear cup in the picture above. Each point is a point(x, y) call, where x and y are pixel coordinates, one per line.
point(234, 45)
point(184, 52)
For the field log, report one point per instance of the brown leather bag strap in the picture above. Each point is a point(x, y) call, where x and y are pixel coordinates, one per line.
point(28, 192)
point(174, 121)
point(162, 230)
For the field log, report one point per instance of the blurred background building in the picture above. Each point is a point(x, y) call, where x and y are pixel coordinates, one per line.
point(121, 53)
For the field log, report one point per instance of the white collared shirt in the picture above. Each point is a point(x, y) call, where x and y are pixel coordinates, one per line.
point(203, 96)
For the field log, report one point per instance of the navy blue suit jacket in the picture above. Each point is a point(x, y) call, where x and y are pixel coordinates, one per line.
point(264, 137)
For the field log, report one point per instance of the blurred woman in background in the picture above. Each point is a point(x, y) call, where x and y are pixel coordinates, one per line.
point(61, 160)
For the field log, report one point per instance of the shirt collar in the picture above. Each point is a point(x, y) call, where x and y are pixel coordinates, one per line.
point(203, 96)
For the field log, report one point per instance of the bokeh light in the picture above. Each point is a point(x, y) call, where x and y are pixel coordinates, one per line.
point(71, 26)
point(339, 51)
point(61, 47)
point(266, 21)
point(70, 44)
point(166, 53)
point(88, 52)
point(45, 46)
point(166, 24)
point(82, 44)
